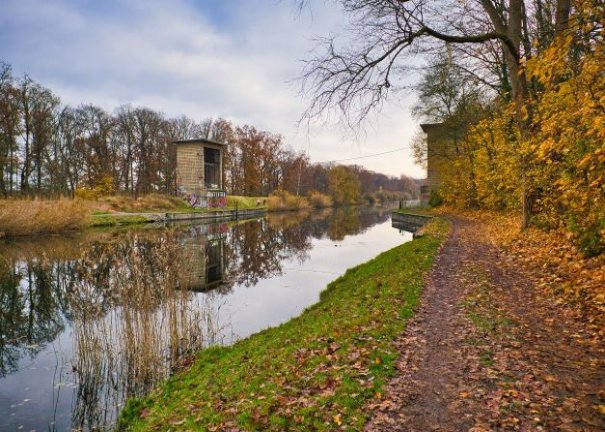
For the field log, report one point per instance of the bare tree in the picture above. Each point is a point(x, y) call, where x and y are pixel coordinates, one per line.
point(388, 34)
point(10, 128)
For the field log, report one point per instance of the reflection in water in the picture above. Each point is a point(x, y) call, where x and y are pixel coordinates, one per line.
point(30, 311)
point(103, 316)
point(143, 324)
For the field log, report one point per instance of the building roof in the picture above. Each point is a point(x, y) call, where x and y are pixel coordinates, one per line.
point(426, 126)
point(200, 140)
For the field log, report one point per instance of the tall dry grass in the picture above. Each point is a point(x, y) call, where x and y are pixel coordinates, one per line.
point(20, 217)
point(153, 326)
point(282, 200)
point(244, 202)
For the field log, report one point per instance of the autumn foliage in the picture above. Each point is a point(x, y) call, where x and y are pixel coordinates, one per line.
point(49, 149)
point(555, 154)
point(283, 200)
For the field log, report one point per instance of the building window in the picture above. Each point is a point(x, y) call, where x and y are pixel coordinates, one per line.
point(212, 168)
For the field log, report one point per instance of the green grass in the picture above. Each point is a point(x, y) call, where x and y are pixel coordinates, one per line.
point(315, 372)
point(107, 219)
point(233, 202)
point(243, 202)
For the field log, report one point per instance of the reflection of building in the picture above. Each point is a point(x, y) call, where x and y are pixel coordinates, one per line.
point(205, 262)
point(199, 172)
point(214, 263)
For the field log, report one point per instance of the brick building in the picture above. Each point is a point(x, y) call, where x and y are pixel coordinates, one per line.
point(440, 141)
point(199, 172)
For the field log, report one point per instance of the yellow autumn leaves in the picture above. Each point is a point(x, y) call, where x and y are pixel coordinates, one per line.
point(560, 163)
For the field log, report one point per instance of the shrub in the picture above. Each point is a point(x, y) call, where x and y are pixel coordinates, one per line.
point(104, 188)
point(87, 194)
point(588, 237)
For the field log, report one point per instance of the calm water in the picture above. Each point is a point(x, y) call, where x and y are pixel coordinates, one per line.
point(86, 322)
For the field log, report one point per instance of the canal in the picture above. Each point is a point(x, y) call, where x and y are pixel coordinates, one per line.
point(90, 320)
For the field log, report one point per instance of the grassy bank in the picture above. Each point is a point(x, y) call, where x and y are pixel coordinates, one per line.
point(19, 217)
point(23, 216)
point(106, 219)
point(315, 372)
point(146, 203)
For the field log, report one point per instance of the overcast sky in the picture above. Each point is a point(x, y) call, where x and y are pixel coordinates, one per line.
point(236, 59)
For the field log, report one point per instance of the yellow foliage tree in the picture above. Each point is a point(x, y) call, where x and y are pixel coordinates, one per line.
point(344, 185)
point(560, 164)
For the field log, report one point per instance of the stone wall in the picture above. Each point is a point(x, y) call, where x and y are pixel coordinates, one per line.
point(439, 146)
point(409, 222)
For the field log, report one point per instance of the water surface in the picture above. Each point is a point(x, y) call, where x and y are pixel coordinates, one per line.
point(90, 320)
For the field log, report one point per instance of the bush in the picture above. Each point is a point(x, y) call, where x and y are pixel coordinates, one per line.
point(86, 194)
point(284, 200)
point(104, 188)
point(588, 237)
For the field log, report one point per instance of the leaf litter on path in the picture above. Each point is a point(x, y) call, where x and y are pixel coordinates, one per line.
point(487, 350)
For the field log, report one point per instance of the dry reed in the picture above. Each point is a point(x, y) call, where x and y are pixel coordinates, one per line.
point(154, 323)
point(20, 217)
point(319, 200)
point(281, 200)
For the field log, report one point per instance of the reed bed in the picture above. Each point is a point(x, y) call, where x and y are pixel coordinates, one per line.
point(151, 327)
point(19, 217)
point(244, 202)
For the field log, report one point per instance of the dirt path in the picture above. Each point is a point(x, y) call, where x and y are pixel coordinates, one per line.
point(486, 352)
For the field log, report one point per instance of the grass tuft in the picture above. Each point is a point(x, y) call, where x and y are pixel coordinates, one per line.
point(244, 202)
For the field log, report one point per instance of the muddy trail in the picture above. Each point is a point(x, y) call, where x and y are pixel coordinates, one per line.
point(488, 351)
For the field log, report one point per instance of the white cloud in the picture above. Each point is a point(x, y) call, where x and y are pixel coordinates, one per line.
point(174, 57)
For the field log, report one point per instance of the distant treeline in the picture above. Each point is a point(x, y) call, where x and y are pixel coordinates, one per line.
point(49, 148)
